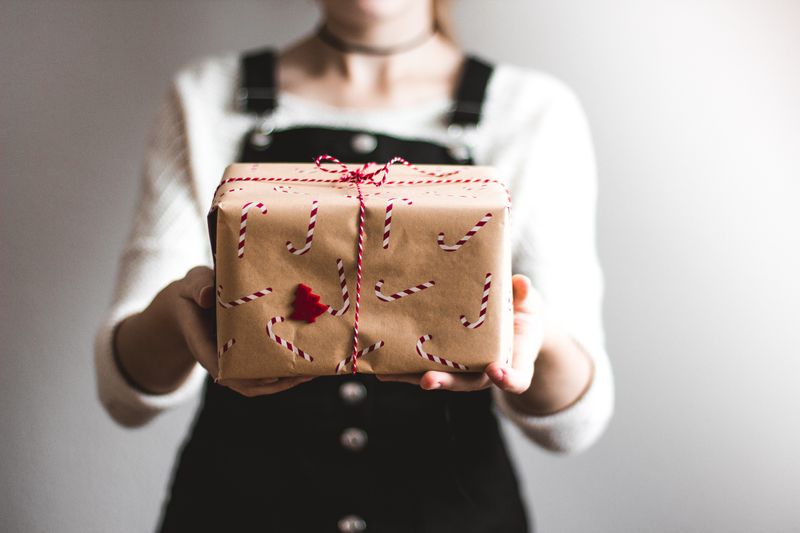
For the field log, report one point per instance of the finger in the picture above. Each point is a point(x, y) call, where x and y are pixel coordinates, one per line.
point(199, 335)
point(508, 378)
point(400, 378)
point(524, 295)
point(528, 337)
point(198, 286)
point(280, 385)
point(433, 380)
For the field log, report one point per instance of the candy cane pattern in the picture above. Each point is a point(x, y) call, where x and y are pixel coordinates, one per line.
point(312, 221)
point(387, 221)
point(452, 248)
point(484, 304)
point(283, 342)
point(288, 190)
point(361, 353)
point(365, 195)
point(345, 294)
point(243, 299)
point(401, 294)
point(225, 347)
point(435, 358)
point(243, 225)
point(434, 193)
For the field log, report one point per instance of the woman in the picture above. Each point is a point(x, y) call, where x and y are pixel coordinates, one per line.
point(379, 453)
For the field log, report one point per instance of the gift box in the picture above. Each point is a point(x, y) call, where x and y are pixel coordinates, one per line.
point(430, 245)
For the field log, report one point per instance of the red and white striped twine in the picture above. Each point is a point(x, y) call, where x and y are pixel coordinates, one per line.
point(346, 361)
point(435, 358)
point(359, 270)
point(243, 299)
point(277, 179)
point(243, 225)
point(312, 221)
point(366, 194)
point(401, 294)
point(345, 293)
point(283, 342)
point(231, 190)
point(387, 221)
point(453, 247)
point(484, 305)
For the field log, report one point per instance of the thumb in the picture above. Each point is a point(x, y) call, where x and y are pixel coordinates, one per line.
point(523, 293)
point(198, 286)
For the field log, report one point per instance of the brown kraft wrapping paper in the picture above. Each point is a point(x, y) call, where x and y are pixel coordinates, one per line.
point(412, 319)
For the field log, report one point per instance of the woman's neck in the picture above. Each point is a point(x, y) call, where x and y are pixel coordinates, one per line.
point(381, 71)
point(332, 75)
point(317, 71)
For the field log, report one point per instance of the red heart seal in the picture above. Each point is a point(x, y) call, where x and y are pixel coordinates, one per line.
point(306, 304)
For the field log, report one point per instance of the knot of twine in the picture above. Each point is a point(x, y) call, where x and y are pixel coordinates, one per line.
point(361, 174)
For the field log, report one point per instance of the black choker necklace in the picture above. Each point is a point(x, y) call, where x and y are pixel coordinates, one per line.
point(333, 41)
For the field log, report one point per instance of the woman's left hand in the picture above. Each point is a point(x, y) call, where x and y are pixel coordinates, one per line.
point(516, 377)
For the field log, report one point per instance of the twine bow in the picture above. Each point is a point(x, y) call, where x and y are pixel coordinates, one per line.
point(362, 174)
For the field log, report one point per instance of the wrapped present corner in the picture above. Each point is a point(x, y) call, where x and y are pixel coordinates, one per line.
point(435, 288)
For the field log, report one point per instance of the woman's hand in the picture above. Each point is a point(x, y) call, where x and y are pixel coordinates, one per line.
point(159, 346)
point(195, 318)
point(515, 378)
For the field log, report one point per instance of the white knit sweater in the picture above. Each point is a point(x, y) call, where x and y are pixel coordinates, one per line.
point(533, 130)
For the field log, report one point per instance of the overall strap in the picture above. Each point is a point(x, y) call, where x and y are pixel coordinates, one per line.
point(471, 92)
point(258, 92)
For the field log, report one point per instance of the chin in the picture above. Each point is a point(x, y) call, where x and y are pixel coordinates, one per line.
point(360, 11)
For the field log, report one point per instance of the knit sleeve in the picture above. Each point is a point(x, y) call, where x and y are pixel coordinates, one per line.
point(167, 238)
point(554, 191)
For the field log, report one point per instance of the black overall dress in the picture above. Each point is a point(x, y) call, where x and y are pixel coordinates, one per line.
point(345, 453)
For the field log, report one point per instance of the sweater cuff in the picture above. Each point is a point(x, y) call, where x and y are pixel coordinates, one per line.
point(127, 405)
point(577, 427)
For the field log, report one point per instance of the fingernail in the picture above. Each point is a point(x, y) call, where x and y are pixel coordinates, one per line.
point(267, 381)
point(499, 374)
point(435, 385)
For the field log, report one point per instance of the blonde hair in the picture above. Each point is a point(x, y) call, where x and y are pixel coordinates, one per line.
point(443, 18)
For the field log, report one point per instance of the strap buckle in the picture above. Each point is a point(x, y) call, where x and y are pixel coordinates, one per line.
point(249, 94)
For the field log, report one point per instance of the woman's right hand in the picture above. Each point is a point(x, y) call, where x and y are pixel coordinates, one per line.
point(195, 317)
point(159, 346)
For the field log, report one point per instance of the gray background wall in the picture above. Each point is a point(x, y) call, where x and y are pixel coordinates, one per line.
point(697, 124)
